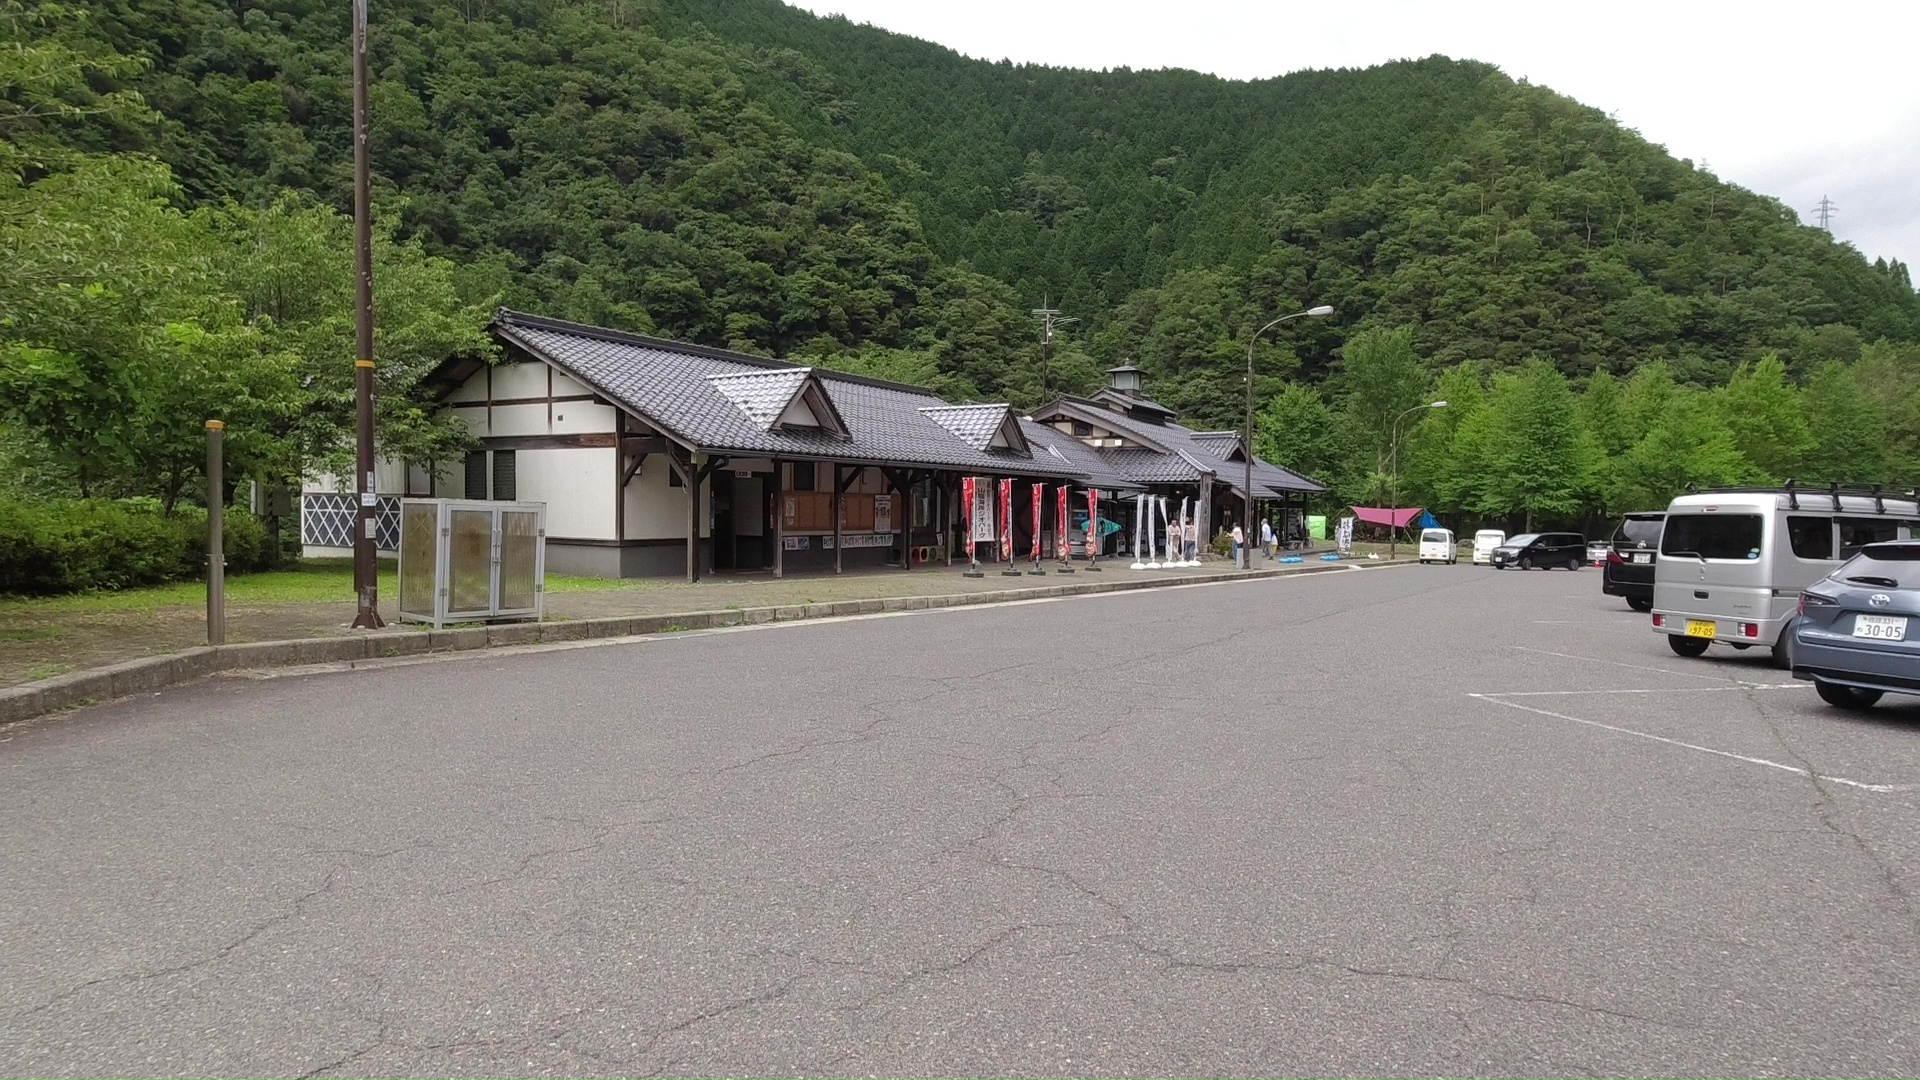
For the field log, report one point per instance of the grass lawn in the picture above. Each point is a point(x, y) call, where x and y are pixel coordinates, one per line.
point(316, 581)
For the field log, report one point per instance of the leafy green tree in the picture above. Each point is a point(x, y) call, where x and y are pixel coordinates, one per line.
point(1764, 414)
point(1296, 430)
point(1539, 460)
point(1378, 378)
point(1686, 443)
point(1849, 431)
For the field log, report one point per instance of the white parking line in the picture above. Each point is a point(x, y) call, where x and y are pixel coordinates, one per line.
point(1877, 788)
point(1636, 667)
point(1665, 690)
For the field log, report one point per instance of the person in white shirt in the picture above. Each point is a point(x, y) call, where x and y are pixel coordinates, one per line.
point(1266, 537)
point(1239, 541)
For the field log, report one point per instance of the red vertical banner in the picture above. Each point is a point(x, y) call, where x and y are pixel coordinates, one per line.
point(1062, 520)
point(1039, 496)
point(966, 514)
point(1093, 523)
point(1006, 520)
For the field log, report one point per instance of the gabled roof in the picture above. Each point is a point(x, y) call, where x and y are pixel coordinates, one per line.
point(672, 387)
point(1157, 413)
point(1088, 461)
point(982, 427)
point(791, 398)
point(1172, 453)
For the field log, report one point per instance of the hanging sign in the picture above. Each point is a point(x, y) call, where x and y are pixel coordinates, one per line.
point(1006, 520)
point(1039, 494)
point(1061, 524)
point(980, 496)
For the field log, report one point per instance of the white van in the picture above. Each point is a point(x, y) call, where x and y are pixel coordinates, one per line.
point(1484, 542)
point(1732, 563)
point(1436, 545)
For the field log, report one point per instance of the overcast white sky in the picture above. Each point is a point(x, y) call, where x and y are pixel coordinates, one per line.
point(1794, 101)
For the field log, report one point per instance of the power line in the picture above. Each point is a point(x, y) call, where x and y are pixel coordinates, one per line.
point(1825, 211)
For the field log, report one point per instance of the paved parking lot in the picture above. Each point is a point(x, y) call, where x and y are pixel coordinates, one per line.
point(1430, 820)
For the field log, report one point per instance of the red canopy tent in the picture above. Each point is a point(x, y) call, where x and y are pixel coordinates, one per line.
point(1380, 515)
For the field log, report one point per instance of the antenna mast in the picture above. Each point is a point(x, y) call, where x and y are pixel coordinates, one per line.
point(1049, 318)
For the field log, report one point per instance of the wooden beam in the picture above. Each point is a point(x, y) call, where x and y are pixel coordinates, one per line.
point(638, 460)
point(839, 489)
point(690, 479)
point(549, 442)
point(773, 527)
point(644, 444)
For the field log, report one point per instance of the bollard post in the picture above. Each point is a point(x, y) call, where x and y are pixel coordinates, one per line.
point(216, 541)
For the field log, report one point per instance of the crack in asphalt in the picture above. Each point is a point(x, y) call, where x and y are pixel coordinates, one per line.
point(215, 956)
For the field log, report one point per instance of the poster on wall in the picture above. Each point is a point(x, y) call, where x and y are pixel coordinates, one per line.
point(1344, 538)
point(883, 513)
point(982, 511)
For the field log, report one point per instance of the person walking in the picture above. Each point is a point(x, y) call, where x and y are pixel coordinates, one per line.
point(1266, 537)
point(1239, 541)
point(1190, 538)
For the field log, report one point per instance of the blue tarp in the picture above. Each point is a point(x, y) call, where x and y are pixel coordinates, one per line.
point(1426, 521)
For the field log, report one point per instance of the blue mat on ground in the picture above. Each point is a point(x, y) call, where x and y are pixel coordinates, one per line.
point(1330, 557)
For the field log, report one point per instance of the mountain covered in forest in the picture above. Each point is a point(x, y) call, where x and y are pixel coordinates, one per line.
point(745, 174)
point(740, 172)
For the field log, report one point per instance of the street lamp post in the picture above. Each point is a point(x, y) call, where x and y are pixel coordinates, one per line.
point(1246, 448)
point(1393, 529)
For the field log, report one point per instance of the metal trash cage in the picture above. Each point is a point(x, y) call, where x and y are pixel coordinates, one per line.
point(471, 560)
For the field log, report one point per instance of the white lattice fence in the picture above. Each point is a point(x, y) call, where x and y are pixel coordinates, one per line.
point(326, 520)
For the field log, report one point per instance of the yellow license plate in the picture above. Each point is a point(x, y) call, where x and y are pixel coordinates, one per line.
point(1699, 628)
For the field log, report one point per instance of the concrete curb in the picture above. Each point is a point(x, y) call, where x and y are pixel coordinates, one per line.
point(80, 688)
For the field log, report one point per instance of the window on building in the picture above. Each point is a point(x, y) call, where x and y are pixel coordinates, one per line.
point(1811, 537)
point(476, 479)
point(803, 476)
point(1856, 533)
point(1082, 429)
point(503, 478)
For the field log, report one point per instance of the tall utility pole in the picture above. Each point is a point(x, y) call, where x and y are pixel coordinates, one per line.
point(1049, 318)
point(1825, 210)
point(366, 580)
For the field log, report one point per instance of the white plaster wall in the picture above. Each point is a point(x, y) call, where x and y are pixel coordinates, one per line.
point(517, 420)
point(577, 486)
point(581, 417)
point(656, 510)
point(517, 381)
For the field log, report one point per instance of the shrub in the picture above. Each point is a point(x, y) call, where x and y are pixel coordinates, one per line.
point(56, 546)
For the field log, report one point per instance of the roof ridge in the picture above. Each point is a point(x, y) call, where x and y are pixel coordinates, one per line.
point(711, 352)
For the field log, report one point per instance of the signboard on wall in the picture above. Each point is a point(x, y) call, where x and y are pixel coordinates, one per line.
point(796, 543)
point(983, 532)
point(858, 541)
point(882, 514)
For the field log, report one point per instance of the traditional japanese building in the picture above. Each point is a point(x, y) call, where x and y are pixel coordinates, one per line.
point(657, 457)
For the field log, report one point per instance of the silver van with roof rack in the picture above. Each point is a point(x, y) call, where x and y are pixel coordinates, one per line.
point(1732, 563)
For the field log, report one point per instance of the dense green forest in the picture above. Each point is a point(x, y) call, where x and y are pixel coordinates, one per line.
point(740, 173)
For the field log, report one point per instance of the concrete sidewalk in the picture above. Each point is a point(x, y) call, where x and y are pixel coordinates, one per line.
point(169, 650)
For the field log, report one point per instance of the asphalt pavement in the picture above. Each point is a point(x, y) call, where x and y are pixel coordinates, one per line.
point(1419, 820)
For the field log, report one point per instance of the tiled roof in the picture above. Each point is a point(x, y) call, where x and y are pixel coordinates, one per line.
point(1079, 455)
point(670, 385)
point(975, 425)
point(1188, 451)
point(762, 395)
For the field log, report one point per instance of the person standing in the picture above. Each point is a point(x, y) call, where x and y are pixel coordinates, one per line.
point(1266, 537)
point(1190, 538)
point(1239, 541)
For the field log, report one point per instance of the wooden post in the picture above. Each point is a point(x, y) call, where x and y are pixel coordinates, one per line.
point(838, 490)
point(691, 477)
point(216, 539)
point(775, 526)
point(945, 527)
